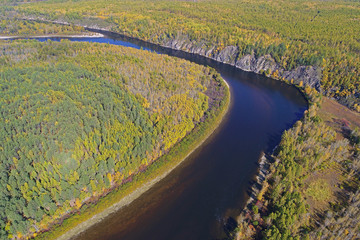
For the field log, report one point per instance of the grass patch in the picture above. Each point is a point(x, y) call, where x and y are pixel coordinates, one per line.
point(319, 190)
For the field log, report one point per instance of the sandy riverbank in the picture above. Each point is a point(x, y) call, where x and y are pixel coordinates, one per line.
point(95, 35)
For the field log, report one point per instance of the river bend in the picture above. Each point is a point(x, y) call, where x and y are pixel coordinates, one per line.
point(197, 198)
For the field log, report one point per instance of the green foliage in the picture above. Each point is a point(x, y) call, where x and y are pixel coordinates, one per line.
point(15, 27)
point(71, 127)
point(255, 209)
point(319, 190)
point(303, 149)
point(166, 162)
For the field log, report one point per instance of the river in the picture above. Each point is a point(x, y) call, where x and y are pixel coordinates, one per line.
point(210, 187)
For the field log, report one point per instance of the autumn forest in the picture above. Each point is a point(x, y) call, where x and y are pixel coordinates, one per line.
point(83, 124)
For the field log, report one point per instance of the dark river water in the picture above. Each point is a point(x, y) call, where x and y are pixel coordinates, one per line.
point(197, 198)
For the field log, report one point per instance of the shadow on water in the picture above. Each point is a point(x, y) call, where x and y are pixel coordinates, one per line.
point(202, 197)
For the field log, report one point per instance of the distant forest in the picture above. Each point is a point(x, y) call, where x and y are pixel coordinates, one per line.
point(296, 33)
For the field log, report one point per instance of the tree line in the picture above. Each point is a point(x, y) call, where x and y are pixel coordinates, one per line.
point(293, 33)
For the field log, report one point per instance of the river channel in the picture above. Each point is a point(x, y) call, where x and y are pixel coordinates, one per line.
point(196, 199)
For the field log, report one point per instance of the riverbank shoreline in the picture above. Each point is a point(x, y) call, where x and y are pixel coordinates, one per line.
point(257, 189)
point(96, 35)
point(134, 189)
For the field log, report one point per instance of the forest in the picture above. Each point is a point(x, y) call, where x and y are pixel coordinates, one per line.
point(78, 119)
point(312, 190)
point(29, 28)
point(10, 26)
point(295, 33)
